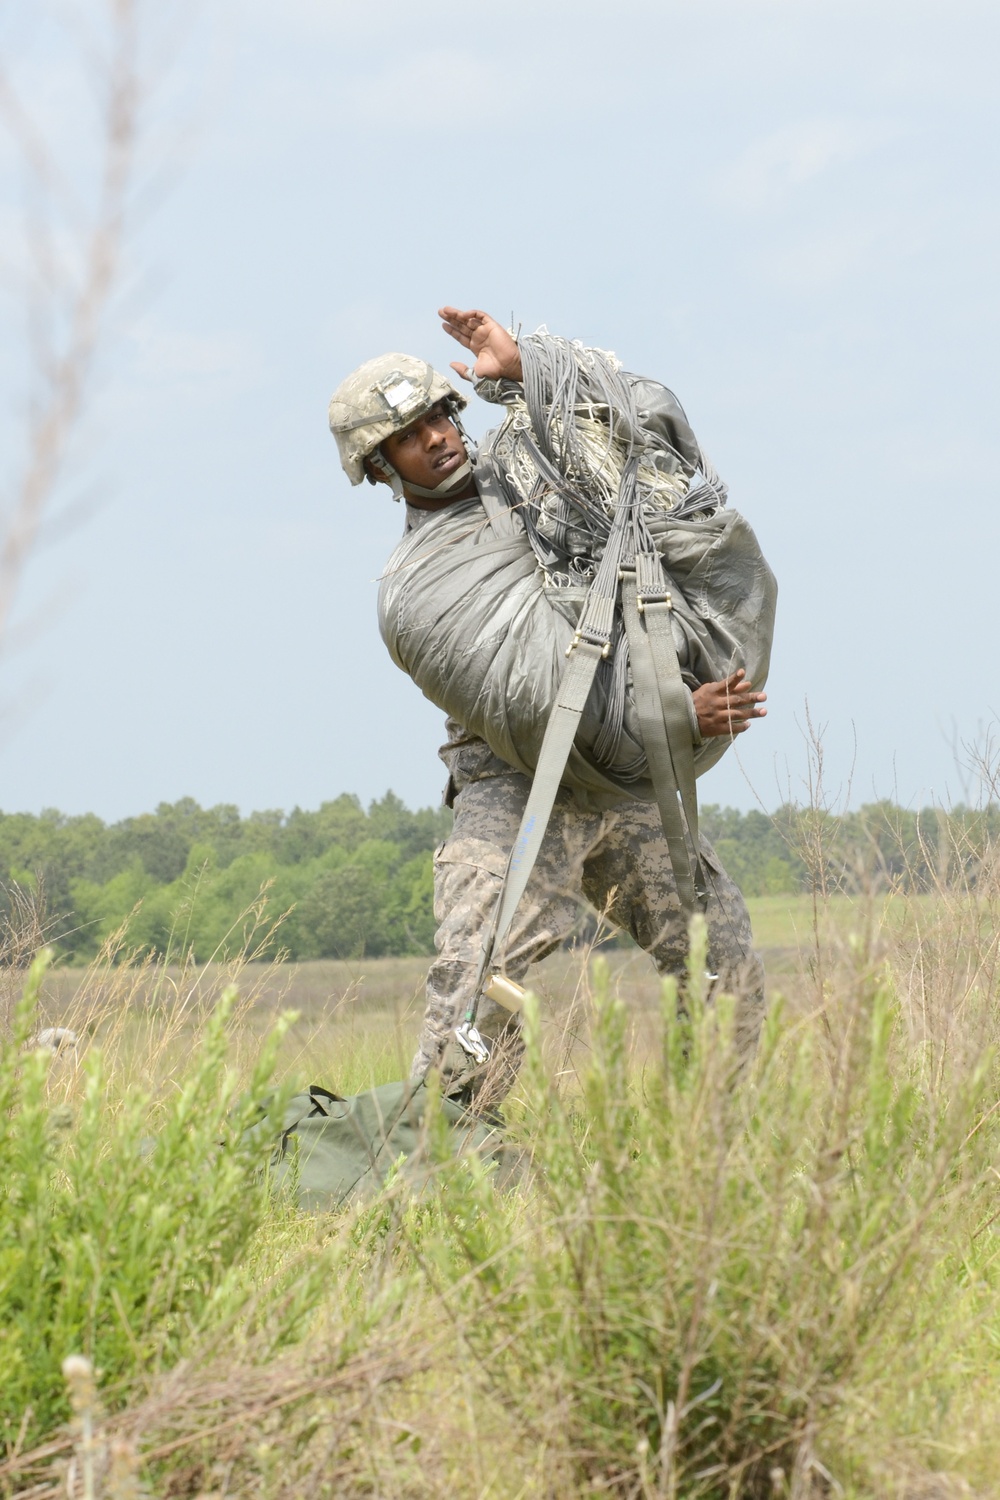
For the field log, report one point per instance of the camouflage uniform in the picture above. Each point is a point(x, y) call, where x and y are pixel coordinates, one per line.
point(617, 861)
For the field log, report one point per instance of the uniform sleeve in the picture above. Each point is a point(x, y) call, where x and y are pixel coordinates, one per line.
point(500, 392)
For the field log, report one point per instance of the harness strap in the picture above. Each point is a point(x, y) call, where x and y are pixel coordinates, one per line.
point(666, 734)
point(560, 732)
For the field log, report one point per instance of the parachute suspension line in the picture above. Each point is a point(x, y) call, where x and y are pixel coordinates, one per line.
point(578, 426)
point(561, 453)
point(712, 493)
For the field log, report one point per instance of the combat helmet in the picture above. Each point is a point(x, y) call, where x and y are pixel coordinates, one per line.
point(381, 397)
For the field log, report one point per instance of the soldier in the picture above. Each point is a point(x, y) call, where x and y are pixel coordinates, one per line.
point(397, 422)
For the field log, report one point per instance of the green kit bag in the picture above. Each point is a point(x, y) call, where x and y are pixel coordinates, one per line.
point(332, 1149)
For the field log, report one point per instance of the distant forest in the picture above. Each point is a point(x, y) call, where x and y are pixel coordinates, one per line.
point(352, 882)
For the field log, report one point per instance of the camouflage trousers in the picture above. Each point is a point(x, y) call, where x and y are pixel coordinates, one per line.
point(616, 861)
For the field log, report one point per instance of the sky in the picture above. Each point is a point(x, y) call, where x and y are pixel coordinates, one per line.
point(786, 210)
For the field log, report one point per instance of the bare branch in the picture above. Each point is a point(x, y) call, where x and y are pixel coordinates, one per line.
point(77, 308)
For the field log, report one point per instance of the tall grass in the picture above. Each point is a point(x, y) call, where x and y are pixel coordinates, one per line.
point(704, 1279)
point(683, 1282)
point(125, 1210)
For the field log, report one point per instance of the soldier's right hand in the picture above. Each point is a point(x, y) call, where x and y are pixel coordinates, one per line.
point(497, 355)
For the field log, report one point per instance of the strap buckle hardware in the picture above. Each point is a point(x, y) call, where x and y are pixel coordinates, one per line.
point(471, 1043)
point(654, 596)
point(590, 638)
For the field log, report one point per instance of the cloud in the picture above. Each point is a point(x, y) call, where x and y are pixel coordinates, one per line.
point(775, 166)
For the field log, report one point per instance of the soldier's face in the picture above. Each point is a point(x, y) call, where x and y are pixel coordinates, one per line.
point(428, 450)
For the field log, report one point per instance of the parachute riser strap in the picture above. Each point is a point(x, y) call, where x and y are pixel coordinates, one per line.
point(560, 732)
point(654, 603)
point(661, 700)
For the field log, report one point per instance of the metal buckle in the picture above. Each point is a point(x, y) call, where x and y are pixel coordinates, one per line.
point(589, 638)
point(472, 1043)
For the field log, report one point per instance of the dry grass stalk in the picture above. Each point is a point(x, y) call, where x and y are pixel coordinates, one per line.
point(74, 303)
point(22, 934)
point(200, 1420)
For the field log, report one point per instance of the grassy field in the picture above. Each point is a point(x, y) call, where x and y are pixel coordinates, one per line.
point(357, 1022)
point(677, 1284)
point(366, 1013)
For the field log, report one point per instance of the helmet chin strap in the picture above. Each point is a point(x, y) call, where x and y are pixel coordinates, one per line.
point(454, 481)
point(381, 463)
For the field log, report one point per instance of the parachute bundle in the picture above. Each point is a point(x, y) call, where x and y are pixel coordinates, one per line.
point(482, 603)
point(563, 614)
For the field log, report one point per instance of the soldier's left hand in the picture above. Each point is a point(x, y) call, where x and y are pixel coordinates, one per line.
point(727, 707)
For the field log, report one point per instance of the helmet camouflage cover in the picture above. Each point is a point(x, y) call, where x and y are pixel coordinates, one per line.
point(381, 397)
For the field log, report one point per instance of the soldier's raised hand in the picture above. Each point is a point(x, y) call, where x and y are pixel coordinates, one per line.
point(497, 355)
point(727, 707)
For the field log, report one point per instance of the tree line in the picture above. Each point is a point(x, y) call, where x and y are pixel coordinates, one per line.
point(346, 881)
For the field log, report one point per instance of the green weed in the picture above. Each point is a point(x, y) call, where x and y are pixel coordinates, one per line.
point(123, 1215)
point(704, 1274)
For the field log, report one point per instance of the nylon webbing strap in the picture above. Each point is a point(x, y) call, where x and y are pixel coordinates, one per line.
point(666, 733)
point(655, 602)
point(560, 732)
point(674, 709)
